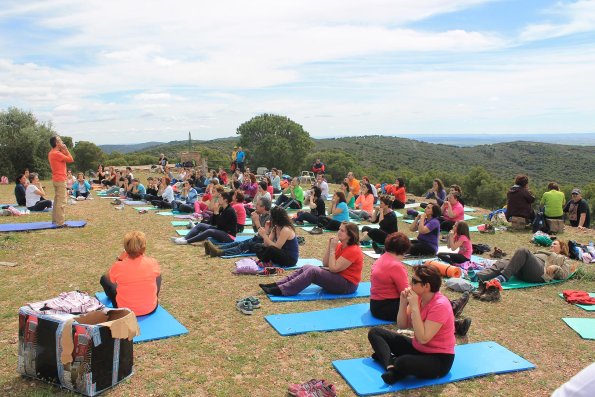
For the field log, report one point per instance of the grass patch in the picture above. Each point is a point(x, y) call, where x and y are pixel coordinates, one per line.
point(229, 354)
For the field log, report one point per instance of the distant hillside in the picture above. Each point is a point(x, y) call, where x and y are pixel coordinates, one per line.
point(376, 154)
point(128, 148)
point(474, 140)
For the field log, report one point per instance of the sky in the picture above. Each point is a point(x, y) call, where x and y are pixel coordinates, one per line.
point(142, 70)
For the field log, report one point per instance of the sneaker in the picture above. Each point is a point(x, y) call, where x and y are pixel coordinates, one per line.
point(498, 253)
point(459, 304)
point(301, 240)
point(492, 293)
point(80, 198)
point(212, 249)
point(190, 225)
point(462, 326)
point(253, 300)
point(480, 290)
point(316, 230)
point(319, 390)
point(180, 241)
point(208, 248)
point(245, 307)
point(116, 202)
point(310, 386)
point(143, 211)
point(270, 271)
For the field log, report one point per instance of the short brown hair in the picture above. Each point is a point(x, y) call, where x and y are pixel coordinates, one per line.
point(553, 186)
point(397, 243)
point(353, 233)
point(429, 275)
point(521, 180)
point(135, 243)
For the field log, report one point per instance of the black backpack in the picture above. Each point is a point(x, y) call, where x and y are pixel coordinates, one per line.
point(479, 249)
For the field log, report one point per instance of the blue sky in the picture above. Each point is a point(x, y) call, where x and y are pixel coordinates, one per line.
point(137, 71)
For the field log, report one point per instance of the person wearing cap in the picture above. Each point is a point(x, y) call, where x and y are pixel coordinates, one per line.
point(578, 210)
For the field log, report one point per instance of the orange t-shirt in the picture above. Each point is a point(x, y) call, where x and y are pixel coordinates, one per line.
point(136, 285)
point(366, 202)
point(58, 162)
point(354, 186)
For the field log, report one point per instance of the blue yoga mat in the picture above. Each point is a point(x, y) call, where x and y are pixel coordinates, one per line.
point(585, 327)
point(467, 217)
point(335, 319)
point(588, 308)
point(179, 223)
point(315, 293)
point(23, 227)
point(471, 361)
point(157, 325)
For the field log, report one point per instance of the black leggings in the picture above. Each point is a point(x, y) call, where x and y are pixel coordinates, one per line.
point(377, 235)
point(41, 205)
point(408, 360)
point(452, 258)
point(419, 248)
point(276, 255)
point(288, 202)
point(446, 226)
point(307, 217)
point(328, 223)
point(161, 204)
point(386, 309)
point(398, 204)
point(85, 195)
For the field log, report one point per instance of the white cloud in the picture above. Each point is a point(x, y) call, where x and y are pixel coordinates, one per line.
point(579, 17)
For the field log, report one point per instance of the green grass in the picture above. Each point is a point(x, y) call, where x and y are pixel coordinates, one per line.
point(230, 354)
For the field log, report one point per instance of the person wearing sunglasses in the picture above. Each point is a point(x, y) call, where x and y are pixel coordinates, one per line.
point(578, 210)
point(430, 353)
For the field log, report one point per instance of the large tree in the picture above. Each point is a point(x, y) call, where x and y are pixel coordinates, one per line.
point(275, 141)
point(87, 156)
point(24, 143)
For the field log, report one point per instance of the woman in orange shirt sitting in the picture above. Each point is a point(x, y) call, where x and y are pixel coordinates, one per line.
point(134, 280)
point(364, 203)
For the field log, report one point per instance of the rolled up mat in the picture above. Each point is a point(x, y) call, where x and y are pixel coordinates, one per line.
point(445, 269)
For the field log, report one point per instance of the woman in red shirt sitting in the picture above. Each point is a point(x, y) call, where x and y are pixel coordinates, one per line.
point(134, 280)
point(341, 272)
point(431, 351)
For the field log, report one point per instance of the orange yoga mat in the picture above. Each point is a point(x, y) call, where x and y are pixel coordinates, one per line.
point(445, 269)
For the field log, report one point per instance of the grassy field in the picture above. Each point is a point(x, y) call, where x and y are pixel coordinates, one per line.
point(227, 353)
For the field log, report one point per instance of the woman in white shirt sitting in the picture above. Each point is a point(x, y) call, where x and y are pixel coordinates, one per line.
point(34, 195)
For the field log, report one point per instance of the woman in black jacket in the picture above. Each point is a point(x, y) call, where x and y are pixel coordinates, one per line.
point(223, 225)
point(387, 220)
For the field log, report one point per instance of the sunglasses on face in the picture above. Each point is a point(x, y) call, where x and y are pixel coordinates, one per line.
point(416, 281)
point(575, 194)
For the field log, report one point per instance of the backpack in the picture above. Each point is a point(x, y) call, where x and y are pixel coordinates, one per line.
point(539, 223)
point(479, 249)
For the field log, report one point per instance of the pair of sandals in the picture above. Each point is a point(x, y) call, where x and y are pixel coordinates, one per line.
point(498, 253)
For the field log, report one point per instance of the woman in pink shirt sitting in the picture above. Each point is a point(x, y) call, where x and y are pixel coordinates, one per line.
point(364, 204)
point(458, 238)
point(238, 206)
point(452, 211)
point(430, 353)
point(389, 277)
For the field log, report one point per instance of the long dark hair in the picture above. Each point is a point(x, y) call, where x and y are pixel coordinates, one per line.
point(280, 218)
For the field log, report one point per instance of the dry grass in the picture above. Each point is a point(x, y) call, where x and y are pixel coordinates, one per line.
point(230, 354)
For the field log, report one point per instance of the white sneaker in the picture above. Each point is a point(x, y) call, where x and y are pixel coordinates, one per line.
point(180, 241)
point(80, 198)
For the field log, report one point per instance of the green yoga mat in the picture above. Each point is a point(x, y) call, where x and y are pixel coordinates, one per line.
point(179, 223)
point(589, 308)
point(585, 327)
point(515, 283)
point(147, 208)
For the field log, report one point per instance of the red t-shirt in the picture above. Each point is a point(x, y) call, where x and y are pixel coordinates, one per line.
point(389, 278)
point(136, 283)
point(240, 213)
point(439, 310)
point(58, 162)
point(354, 254)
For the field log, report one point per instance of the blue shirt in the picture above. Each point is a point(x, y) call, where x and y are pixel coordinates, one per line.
point(240, 157)
point(344, 215)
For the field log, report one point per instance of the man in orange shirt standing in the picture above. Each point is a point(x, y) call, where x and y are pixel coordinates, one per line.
point(58, 157)
point(353, 184)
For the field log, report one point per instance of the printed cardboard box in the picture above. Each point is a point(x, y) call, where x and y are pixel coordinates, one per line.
point(87, 353)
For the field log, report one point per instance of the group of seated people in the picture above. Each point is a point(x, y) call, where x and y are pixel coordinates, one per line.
point(414, 303)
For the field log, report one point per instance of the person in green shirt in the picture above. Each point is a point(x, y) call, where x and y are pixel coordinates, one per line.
point(293, 196)
point(553, 200)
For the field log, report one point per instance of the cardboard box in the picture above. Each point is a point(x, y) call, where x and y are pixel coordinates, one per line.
point(86, 353)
